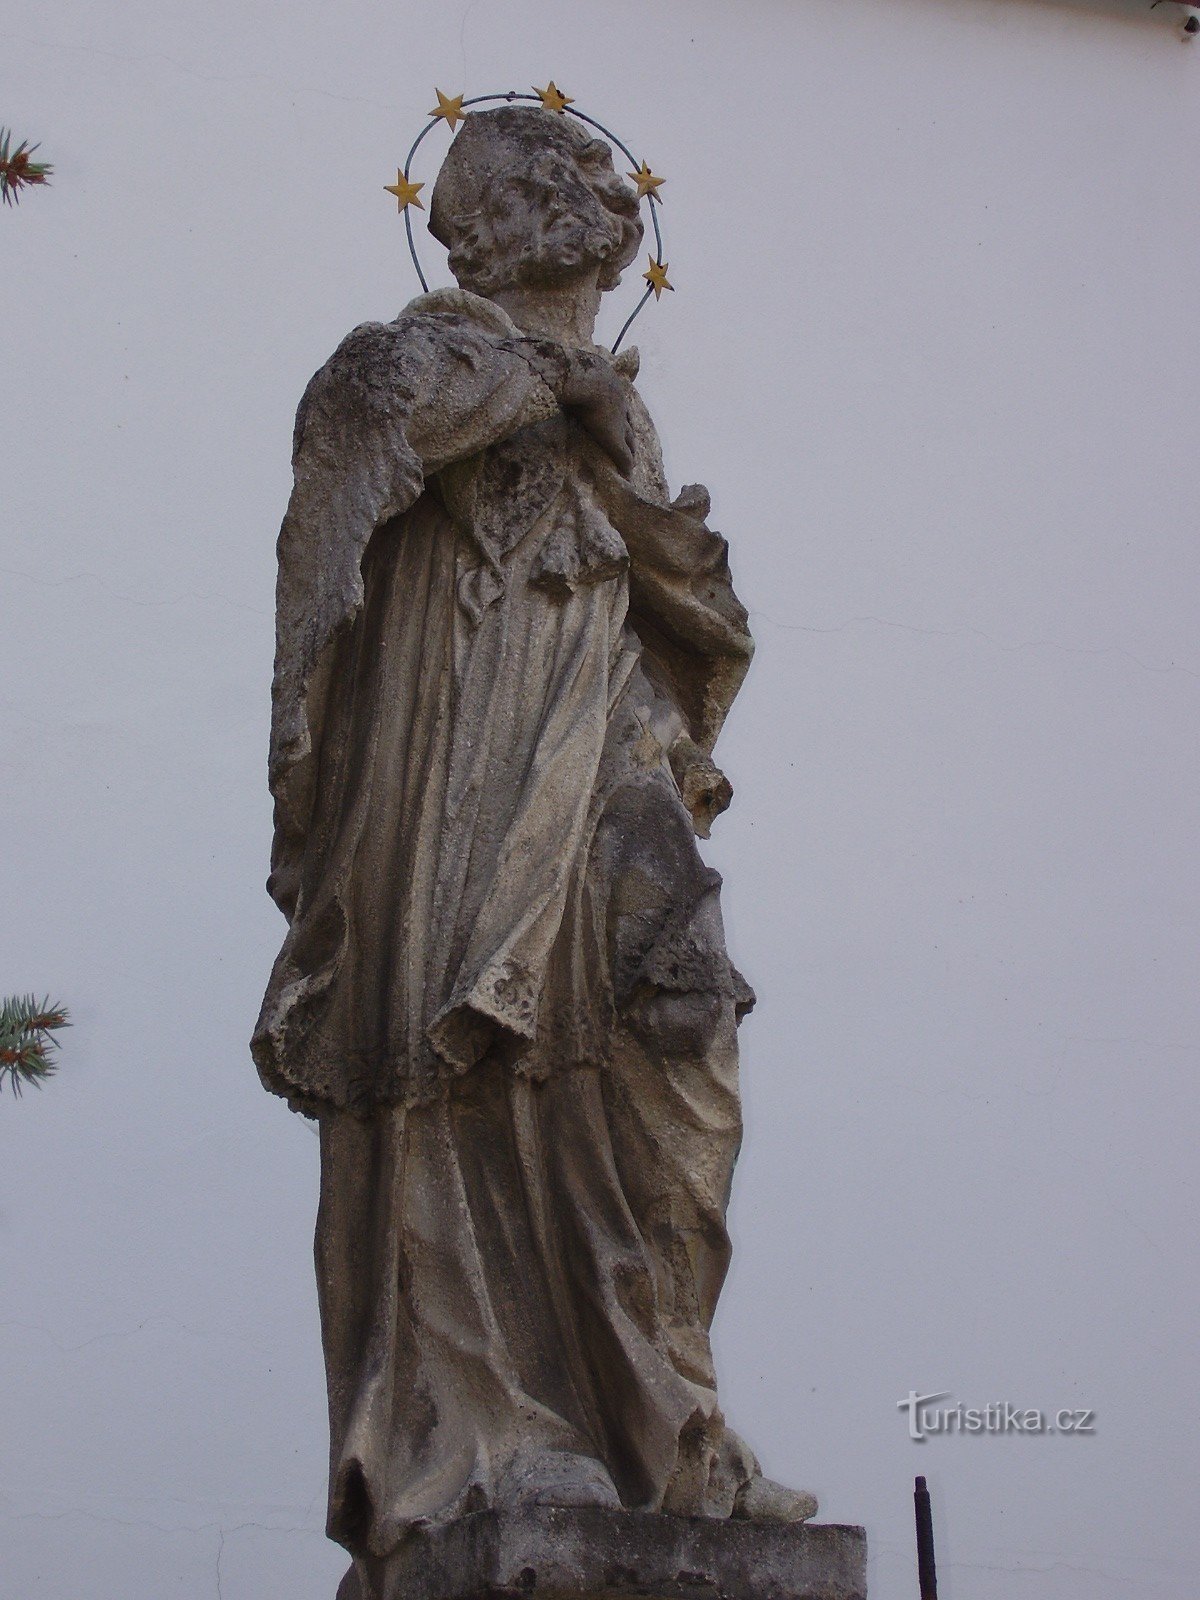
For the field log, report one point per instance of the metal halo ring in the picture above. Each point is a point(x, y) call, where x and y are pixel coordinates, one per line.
point(512, 94)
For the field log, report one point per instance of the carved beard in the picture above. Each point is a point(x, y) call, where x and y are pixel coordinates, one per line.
point(562, 246)
point(557, 242)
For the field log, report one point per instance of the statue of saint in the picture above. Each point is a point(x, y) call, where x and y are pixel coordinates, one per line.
point(504, 655)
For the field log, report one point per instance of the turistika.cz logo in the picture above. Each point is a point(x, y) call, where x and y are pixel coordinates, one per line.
point(927, 1419)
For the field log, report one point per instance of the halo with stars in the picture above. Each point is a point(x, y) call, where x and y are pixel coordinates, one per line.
point(451, 109)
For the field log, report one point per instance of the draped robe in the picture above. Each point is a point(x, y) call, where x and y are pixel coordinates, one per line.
point(504, 991)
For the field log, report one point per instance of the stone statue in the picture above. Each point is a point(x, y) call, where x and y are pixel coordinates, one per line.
point(504, 655)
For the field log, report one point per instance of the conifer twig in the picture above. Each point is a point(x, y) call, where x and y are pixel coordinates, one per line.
point(17, 170)
point(27, 1050)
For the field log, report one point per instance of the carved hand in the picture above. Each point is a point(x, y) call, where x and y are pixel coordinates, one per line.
point(598, 399)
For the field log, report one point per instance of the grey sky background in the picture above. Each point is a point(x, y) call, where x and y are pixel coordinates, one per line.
point(934, 350)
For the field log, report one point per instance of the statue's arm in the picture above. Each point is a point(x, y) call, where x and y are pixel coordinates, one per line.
point(439, 386)
point(477, 388)
point(435, 387)
point(648, 475)
point(474, 388)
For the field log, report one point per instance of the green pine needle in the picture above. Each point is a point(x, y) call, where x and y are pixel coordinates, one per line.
point(17, 170)
point(27, 1051)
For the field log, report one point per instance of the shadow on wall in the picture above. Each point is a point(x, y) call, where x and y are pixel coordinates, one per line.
point(1171, 15)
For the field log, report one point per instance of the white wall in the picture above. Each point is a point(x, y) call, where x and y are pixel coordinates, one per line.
point(934, 350)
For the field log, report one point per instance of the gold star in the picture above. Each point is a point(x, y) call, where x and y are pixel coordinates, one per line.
point(657, 277)
point(450, 107)
point(647, 183)
point(552, 97)
point(405, 192)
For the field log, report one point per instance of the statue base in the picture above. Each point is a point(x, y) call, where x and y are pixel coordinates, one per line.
point(557, 1553)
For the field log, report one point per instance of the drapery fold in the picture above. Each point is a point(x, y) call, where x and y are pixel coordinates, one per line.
point(465, 583)
point(504, 990)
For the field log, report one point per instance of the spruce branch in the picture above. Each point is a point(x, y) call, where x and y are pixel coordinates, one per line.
point(27, 1050)
point(17, 170)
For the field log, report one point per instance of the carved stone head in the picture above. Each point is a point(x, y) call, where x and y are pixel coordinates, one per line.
point(527, 197)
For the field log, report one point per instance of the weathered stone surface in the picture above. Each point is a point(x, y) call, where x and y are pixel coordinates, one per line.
point(504, 656)
point(552, 1554)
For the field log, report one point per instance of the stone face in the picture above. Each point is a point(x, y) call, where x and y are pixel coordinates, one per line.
point(504, 656)
point(554, 1554)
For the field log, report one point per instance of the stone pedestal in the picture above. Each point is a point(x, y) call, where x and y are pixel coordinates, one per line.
point(552, 1553)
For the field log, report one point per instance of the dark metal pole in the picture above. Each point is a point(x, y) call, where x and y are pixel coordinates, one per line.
point(926, 1565)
